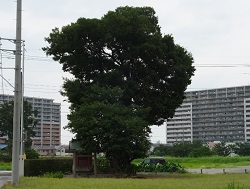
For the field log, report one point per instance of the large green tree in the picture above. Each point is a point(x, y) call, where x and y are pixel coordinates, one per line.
point(103, 124)
point(6, 121)
point(124, 49)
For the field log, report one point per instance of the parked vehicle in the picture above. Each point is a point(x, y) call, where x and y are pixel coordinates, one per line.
point(154, 160)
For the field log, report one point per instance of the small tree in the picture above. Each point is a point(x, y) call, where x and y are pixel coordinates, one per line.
point(183, 149)
point(222, 149)
point(162, 150)
point(6, 121)
point(242, 149)
point(31, 153)
point(203, 151)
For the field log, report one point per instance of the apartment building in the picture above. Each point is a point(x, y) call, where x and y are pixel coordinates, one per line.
point(212, 115)
point(48, 129)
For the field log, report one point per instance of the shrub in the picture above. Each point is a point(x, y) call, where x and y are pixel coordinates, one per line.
point(31, 153)
point(221, 149)
point(202, 151)
point(242, 149)
point(103, 165)
point(168, 167)
point(5, 155)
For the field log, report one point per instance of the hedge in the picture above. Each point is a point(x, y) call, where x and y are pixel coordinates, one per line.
point(37, 167)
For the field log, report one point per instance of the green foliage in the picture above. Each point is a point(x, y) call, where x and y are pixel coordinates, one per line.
point(6, 121)
point(31, 153)
point(203, 151)
point(168, 167)
point(197, 149)
point(103, 124)
point(232, 185)
point(53, 175)
point(221, 149)
point(5, 166)
point(242, 149)
point(162, 150)
point(183, 149)
point(103, 165)
point(125, 48)
point(5, 155)
point(128, 75)
point(33, 167)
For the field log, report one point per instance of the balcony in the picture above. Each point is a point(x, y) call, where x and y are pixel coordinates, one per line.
point(46, 142)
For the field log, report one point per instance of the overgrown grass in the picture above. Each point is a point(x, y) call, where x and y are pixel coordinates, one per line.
point(208, 162)
point(5, 166)
point(211, 162)
point(232, 185)
point(175, 181)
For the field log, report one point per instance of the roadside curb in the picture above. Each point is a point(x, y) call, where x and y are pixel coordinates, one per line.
point(239, 169)
point(5, 173)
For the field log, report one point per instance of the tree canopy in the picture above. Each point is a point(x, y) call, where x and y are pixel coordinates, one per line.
point(6, 121)
point(134, 67)
point(125, 48)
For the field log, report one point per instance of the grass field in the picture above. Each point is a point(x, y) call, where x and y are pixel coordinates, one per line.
point(5, 166)
point(171, 181)
point(209, 162)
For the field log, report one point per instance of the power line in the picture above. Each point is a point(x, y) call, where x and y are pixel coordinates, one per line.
point(49, 59)
point(6, 81)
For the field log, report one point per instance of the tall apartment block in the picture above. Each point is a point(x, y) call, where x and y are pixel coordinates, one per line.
point(212, 115)
point(48, 129)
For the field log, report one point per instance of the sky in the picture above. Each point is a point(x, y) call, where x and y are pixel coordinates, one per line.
point(215, 32)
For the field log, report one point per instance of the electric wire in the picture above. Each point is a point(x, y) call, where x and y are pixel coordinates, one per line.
point(56, 89)
point(9, 55)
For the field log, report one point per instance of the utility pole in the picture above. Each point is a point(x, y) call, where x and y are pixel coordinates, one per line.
point(21, 157)
point(17, 98)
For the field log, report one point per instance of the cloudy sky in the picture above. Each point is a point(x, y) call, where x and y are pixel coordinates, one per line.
point(216, 32)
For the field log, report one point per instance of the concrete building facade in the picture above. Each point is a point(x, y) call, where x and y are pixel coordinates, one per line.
point(48, 129)
point(212, 115)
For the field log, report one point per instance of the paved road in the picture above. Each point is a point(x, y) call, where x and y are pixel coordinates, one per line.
point(240, 169)
point(5, 176)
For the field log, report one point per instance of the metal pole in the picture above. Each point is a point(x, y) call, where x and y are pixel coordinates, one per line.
point(17, 98)
point(21, 156)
